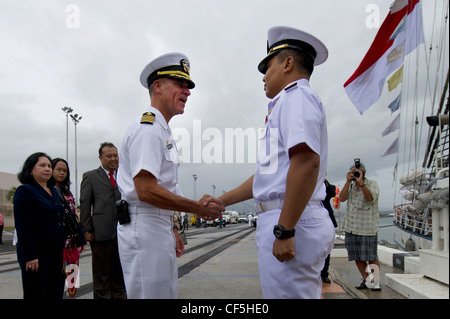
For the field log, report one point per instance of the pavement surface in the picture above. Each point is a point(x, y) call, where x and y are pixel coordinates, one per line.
point(217, 264)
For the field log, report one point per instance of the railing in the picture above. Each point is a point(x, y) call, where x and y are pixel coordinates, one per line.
point(420, 224)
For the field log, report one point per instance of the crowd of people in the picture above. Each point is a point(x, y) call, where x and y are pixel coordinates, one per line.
point(134, 254)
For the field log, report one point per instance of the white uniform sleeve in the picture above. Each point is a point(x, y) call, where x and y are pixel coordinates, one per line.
point(146, 151)
point(300, 121)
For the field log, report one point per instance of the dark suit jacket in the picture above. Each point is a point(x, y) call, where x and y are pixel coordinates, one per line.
point(38, 219)
point(331, 192)
point(98, 205)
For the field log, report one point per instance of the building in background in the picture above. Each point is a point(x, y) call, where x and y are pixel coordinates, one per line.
point(7, 182)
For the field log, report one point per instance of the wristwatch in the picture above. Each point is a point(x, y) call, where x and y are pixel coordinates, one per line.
point(281, 233)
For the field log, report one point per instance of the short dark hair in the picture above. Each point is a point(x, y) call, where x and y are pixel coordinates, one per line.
point(24, 175)
point(105, 144)
point(302, 61)
point(65, 184)
point(151, 89)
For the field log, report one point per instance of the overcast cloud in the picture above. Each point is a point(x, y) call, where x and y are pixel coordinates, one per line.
point(88, 55)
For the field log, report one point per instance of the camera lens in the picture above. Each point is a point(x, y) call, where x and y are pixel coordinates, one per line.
point(356, 174)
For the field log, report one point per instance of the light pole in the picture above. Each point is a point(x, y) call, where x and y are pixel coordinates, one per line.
point(195, 186)
point(214, 190)
point(67, 110)
point(197, 223)
point(76, 120)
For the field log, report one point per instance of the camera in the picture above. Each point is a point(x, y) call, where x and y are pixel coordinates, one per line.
point(357, 165)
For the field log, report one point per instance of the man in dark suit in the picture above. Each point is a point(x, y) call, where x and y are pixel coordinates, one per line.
point(98, 197)
point(331, 192)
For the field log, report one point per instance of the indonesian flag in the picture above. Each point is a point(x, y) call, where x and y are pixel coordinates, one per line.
point(400, 33)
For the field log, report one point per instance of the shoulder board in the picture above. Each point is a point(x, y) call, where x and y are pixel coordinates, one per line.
point(148, 118)
point(291, 87)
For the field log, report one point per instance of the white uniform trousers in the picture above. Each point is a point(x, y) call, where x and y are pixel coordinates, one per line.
point(299, 277)
point(147, 255)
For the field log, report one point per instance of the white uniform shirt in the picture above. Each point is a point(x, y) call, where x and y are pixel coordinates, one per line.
point(147, 147)
point(297, 117)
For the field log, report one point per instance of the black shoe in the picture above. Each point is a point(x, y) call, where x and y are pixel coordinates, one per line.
point(362, 286)
point(326, 280)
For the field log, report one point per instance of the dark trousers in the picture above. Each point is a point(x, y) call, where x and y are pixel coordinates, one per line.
point(48, 281)
point(324, 273)
point(106, 270)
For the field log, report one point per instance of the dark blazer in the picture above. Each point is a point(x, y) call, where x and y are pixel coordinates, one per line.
point(79, 240)
point(331, 192)
point(98, 205)
point(38, 219)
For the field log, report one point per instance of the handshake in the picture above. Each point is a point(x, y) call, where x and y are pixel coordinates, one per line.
point(210, 207)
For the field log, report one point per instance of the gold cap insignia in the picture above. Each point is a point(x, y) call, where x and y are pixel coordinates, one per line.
point(185, 64)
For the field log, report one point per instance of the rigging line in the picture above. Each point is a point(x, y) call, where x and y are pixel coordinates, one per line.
point(435, 141)
point(417, 135)
point(439, 55)
point(433, 96)
point(432, 25)
point(427, 57)
point(420, 133)
point(406, 139)
point(405, 84)
point(443, 42)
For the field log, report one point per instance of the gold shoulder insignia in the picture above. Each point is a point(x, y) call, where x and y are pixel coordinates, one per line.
point(148, 118)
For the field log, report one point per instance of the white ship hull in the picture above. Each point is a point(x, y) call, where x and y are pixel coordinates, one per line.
point(402, 235)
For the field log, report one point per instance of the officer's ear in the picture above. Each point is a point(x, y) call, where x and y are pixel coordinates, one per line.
point(288, 64)
point(157, 85)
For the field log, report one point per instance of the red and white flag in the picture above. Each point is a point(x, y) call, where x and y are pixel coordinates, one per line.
point(400, 33)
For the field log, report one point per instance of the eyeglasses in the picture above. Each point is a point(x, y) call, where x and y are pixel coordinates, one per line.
point(61, 170)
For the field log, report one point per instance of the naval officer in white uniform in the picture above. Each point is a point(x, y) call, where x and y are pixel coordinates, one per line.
point(147, 177)
point(294, 233)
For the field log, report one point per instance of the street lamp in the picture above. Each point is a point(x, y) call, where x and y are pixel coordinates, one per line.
point(214, 190)
point(76, 120)
point(197, 224)
point(67, 110)
point(195, 186)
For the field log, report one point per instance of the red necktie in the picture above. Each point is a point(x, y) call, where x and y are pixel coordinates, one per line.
point(111, 178)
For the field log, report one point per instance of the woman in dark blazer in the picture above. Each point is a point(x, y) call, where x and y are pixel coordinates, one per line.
point(61, 180)
point(38, 217)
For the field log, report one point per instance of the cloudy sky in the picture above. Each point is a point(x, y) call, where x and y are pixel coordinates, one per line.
point(88, 55)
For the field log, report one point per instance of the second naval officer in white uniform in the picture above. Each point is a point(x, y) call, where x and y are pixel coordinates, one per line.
point(294, 233)
point(147, 177)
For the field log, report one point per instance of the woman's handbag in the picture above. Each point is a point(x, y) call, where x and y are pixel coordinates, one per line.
point(70, 224)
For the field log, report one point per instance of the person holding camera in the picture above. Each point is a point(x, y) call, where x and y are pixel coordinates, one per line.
point(361, 223)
